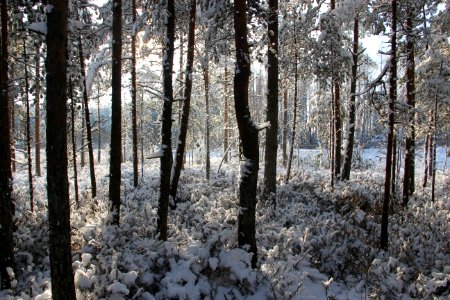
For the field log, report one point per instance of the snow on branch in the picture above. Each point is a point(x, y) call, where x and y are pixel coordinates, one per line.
point(38, 27)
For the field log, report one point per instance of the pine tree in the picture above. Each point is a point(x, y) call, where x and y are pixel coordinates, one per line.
point(57, 181)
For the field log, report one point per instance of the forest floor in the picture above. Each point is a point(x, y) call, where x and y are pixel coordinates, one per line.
point(318, 243)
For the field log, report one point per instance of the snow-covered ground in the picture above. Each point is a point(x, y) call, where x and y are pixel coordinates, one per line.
point(319, 242)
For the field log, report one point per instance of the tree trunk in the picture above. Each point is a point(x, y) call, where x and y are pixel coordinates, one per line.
point(6, 204)
point(270, 158)
point(166, 130)
point(37, 113)
point(74, 142)
point(225, 115)
point(207, 125)
point(57, 181)
point(248, 135)
point(425, 161)
point(27, 127)
point(181, 146)
point(294, 121)
point(83, 130)
point(12, 133)
point(116, 115)
point(285, 127)
point(133, 98)
point(392, 99)
point(347, 165)
point(87, 116)
point(99, 128)
point(408, 178)
point(337, 126)
point(337, 129)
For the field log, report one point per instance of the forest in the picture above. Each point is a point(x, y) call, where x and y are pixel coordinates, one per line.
point(224, 149)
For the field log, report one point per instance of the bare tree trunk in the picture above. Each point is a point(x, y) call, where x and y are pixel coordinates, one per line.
point(394, 167)
point(37, 113)
point(6, 204)
point(294, 125)
point(270, 158)
point(181, 146)
point(27, 127)
point(225, 114)
point(83, 130)
point(392, 99)
point(425, 161)
point(207, 125)
point(248, 135)
point(141, 120)
point(12, 134)
point(99, 128)
point(87, 116)
point(116, 115)
point(57, 181)
point(347, 165)
point(285, 125)
point(74, 142)
point(337, 126)
point(408, 178)
point(133, 98)
point(166, 130)
point(433, 179)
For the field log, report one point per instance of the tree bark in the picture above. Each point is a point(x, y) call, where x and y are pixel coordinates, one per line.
point(133, 97)
point(57, 181)
point(425, 161)
point(409, 176)
point(116, 115)
point(285, 126)
point(166, 129)
point(270, 158)
point(87, 117)
point(294, 125)
point(37, 113)
point(99, 128)
point(27, 127)
point(347, 165)
point(184, 122)
point(207, 123)
point(6, 204)
point(391, 107)
point(248, 135)
point(74, 142)
point(225, 115)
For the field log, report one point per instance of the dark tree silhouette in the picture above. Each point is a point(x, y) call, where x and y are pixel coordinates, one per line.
point(116, 114)
point(248, 134)
point(6, 204)
point(166, 130)
point(389, 152)
point(270, 158)
point(181, 146)
point(133, 98)
point(57, 181)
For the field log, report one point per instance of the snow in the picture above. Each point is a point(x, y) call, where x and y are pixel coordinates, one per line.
point(318, 243)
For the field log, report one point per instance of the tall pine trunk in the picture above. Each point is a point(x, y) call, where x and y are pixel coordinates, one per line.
point(74, 142)
point(285, 127)
point(225, 114)
point(166, 129)
point(408, 177)
point(391, 107)
point(207, 122)
point(133, 97)
point(181, 146)
point(116, 115)
point(248, 135)
point(99, 128)
point(57, 181)
point(270, 158)
point(6, 204)
point(37, 112)
point(294, 121)
point(347, 165)
point(87, 117)
point(27, 127)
